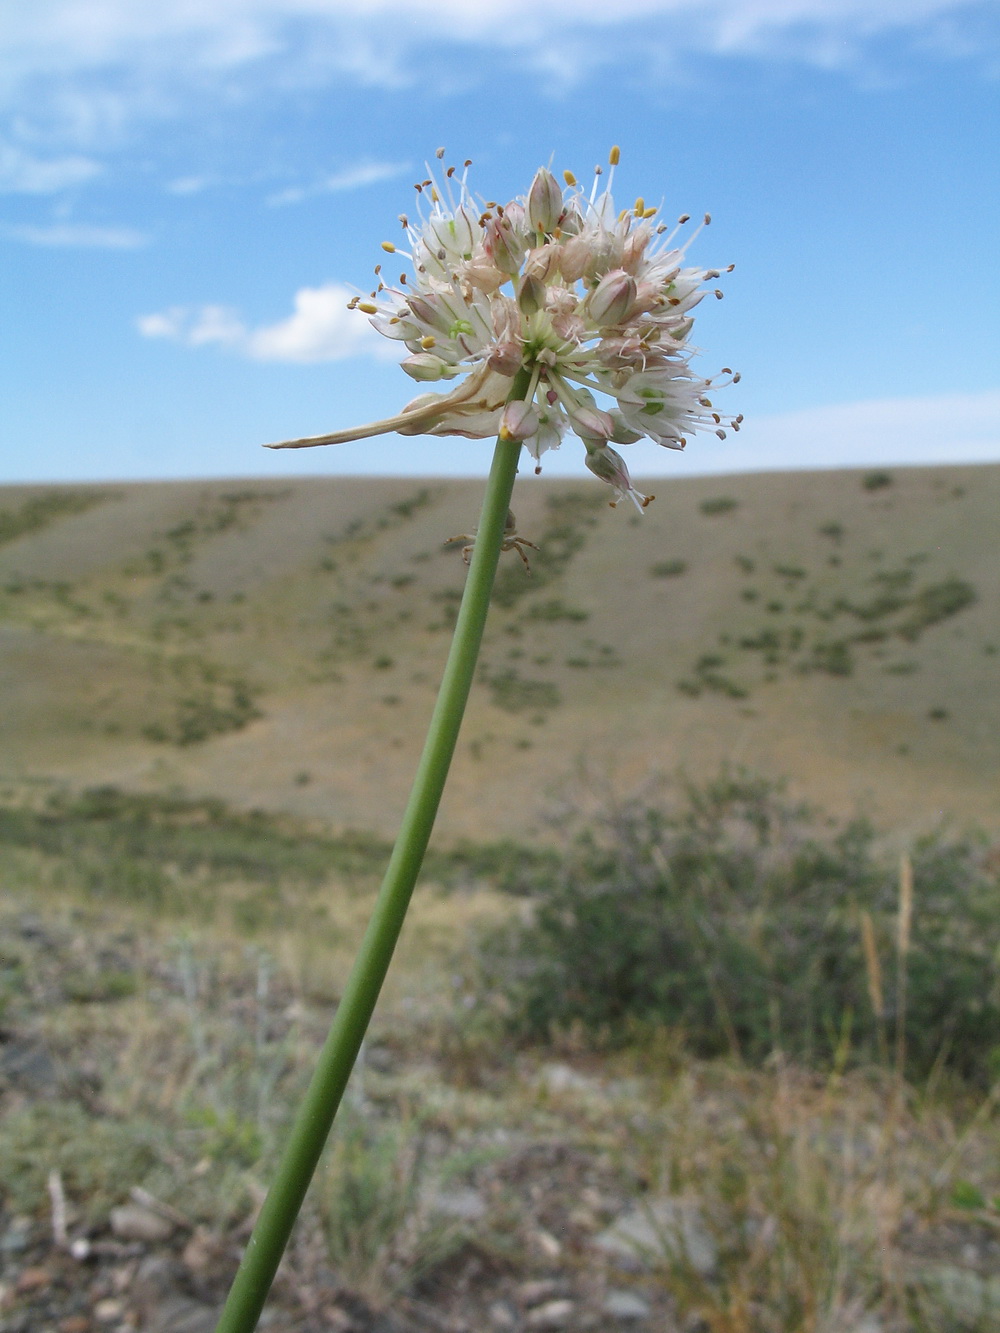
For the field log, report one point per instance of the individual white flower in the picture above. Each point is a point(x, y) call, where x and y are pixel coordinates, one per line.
point(593, 303)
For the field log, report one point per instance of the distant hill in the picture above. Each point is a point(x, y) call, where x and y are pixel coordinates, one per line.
point(278, 643)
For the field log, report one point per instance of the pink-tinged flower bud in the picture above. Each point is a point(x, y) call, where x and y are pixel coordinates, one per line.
point(611, 301)
point(530, 296)
point(519, 421)
point(592, 423)
point(573, 257)
point(541, 263)
point(545, 202)
point(505, 358)
point(609, 466)
point(427, 367)
point(503, 244)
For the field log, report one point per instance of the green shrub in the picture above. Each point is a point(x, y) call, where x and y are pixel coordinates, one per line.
point(734, 917)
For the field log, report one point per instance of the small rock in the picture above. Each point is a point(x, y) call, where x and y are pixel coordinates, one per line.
point(181, 1315)
point(204, 1252)
point(108, 1310)
point(133, 1222)
point(464, 1205)
point(501, 1315)
point(665, 1229)
point(546, 1243)
point(556, 1078)
point(626, 1305)
point(75, 1323)
point(17, 1237)
point(553, 1314)
point(536, 1291)
point(33, 1279)
point(963, 1294)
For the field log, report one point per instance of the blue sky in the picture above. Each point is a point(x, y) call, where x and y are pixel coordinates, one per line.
point(188, 198)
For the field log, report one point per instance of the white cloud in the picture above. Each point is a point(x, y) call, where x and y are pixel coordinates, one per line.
point(86, 65)
point(320, 328)
point(351, 178)
point(936, 428)
point(73, 235)
point(23, 173)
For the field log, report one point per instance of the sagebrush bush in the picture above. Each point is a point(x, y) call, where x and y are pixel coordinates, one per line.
point(736, 917)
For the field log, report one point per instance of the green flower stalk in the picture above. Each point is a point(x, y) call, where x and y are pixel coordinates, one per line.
point(598, 303)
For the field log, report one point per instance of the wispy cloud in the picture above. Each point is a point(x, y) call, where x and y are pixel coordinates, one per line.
point(60, 57)
point(320, 328)
point(23, 173)
point(351, 178)
point(77, 235)
point(935, 428)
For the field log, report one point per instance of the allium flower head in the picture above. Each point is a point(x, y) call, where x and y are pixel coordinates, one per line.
point(594, 303)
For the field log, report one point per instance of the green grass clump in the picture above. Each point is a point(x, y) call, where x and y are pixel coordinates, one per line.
point(41, 510)
point(515, 694)
point(734, 918)
point(668, 569)
point(720, 504)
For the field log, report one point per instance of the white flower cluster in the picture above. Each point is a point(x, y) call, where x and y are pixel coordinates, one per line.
point(584, 299)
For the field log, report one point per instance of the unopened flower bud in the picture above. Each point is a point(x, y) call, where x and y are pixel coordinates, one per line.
point(505, 358)
point(592, 423)
point(530, 296)
point(519, 421)
point(545, 202)
point(426, 366)
point(612, 299)
point(503, 245)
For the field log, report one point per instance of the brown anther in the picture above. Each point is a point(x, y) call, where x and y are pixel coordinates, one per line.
point(467, 162)
point(721, 434)
point(718, 295)
point(404, 220)
point(647, 500)
point(439, 153)
point(715, 416)
point(708, 218)
point(684, 217)
point(402, 280)
point(450, 172)
point(736, 378)
point(726, 370)
point(730, 267)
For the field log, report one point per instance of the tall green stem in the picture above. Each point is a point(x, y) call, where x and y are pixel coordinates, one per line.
point(319, 1106)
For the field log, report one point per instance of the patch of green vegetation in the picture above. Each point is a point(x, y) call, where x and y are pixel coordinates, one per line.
point(555, 609)
point(720, 504)
point(571, 515)
point(515, 694)
point(876, 481)
point(790, 571)
point(733, 916)
point(668, 569)
point(41, 510)
point(214, 703)
point(936, 602)
point(835, 531)
point(834, 657)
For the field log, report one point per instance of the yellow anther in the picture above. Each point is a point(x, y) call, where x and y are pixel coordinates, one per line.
point(388, 247)
point(367, 307)
point(569, 178)
point(640, 206)
point(649, 213)
point(428, 342)
point(615, 156)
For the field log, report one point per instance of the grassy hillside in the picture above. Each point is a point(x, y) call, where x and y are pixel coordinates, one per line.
point(278, 644)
